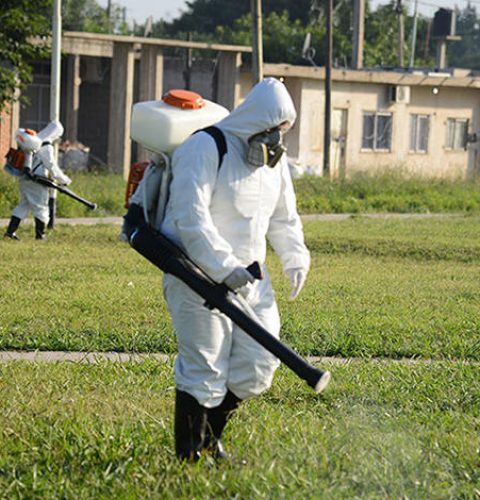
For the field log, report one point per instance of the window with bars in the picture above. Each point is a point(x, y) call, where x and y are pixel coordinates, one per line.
point(377, 131)
point(419, 130)
point(457, 129)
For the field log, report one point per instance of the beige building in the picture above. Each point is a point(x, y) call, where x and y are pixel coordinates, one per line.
point(425, 123)
point(421, 122)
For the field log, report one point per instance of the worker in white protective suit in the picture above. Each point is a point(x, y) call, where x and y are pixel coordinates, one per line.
point(40, 161)
point(221, 217)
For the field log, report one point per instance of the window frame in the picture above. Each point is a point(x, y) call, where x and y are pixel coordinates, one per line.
point(376, 115)
point(417, 117)
point(456, 121)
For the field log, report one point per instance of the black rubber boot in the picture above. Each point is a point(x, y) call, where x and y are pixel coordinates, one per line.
point(190, 425)
point(52, 211)
point(39, 229)
point(216, 422)
point(12, 227)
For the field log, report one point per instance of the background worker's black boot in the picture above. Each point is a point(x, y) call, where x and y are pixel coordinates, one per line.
point(190, 424)
point(12, 227)
point(39, 229)
point(52, 210)
point(216, 422)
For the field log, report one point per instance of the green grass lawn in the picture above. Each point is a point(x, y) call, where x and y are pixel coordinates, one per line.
point(381, 430)
point(383, 289)
point(376, 288)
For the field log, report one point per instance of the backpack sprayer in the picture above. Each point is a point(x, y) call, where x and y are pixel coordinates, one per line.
point(19, 164)
point(147, 119)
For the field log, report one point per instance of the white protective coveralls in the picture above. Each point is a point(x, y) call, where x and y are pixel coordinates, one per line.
point(221, 218)
point(34, 196)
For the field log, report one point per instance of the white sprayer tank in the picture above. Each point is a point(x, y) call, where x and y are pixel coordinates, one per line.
point(161, 126)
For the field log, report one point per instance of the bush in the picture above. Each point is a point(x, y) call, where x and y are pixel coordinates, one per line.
point(387, 192)
point(106, 190)
point(362, 193)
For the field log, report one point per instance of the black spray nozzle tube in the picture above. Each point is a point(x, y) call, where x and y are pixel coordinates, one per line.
point(48, 183)
point(164, 254)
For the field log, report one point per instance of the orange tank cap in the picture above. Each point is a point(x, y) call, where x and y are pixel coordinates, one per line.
point(184, 99)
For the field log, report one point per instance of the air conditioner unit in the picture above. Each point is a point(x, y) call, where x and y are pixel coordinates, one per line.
point(399, 93)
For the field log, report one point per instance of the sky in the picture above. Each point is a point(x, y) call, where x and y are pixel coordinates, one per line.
point(139, 10)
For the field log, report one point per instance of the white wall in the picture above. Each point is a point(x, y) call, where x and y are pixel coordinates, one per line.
point(358, 97)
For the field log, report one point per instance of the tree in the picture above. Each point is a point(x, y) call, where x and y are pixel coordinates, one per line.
point(20, 21)
point(465, 53)
point(204, 16)
point(283, 39)
point(88, 15)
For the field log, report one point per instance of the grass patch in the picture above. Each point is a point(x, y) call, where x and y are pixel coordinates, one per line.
point(106, 190)
point(381, 430)
point(388, 192)
point(388, 288)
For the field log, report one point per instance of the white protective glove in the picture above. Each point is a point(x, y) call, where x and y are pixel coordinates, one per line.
point(63, 179)
point(297, 277)
point(238, 278)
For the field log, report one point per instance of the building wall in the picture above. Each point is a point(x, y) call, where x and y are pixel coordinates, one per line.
point(93, 115)
point(357, 98)
point(5, 134)
point(201, 80)
point(305, 140)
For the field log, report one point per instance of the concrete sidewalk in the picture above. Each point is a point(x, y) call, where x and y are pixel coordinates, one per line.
point(90, 221)
point(87, 221)
point(93, 357)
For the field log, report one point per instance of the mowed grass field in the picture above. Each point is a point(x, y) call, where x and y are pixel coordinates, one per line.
point(395, 301)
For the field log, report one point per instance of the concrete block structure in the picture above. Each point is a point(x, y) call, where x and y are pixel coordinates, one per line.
point(423, 123)
point(420, 122)
point(104, 75)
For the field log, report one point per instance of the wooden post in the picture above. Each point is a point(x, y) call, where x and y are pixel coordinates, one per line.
point(401, 35)
point(328, 91)
point(257, 54)
point(358, 33)
point(187, 74)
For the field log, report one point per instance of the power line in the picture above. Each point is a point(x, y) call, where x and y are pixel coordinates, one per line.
point(436, 5)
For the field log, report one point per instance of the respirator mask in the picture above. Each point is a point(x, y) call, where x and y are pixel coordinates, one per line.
point(266, 148)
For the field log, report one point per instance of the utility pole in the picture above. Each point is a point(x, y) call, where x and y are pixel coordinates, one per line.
point(257, 49)
point(401, 35)
point(109, 15)
point(56, 62)
point(188, 64)
point(358, 33)
point(328, 91)
point(414, 35)
point(427, 39)
point(55, 70)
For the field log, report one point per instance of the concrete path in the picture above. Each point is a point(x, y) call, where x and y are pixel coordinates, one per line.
point(90, 221)
point(123, 357)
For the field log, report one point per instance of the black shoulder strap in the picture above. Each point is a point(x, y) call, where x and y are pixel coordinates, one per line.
point(46, 143)
point(219, 139)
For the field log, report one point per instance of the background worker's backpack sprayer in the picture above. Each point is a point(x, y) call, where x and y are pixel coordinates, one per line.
point(160, 127)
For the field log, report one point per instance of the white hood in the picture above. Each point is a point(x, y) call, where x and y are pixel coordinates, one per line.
point(51, 132)
point(266, 106)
